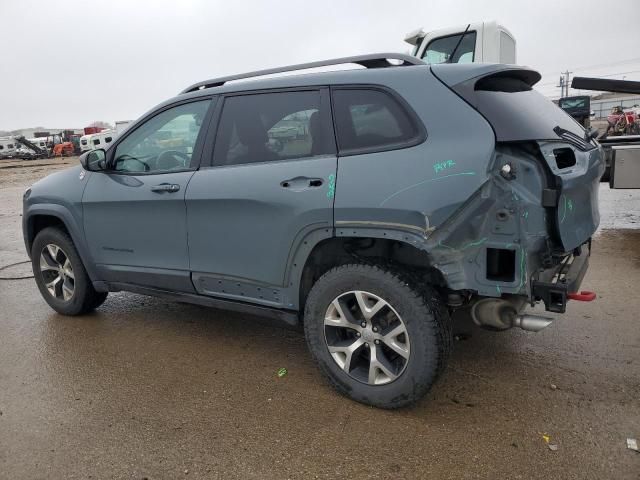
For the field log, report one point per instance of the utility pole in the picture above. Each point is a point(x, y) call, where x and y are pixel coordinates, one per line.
point(561, 85)
point(564, 83)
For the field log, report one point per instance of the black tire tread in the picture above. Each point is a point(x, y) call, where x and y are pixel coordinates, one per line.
point(91, 298)
point(424, 296)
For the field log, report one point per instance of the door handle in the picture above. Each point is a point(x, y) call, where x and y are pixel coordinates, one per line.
point(166, 187)
point(301, 183)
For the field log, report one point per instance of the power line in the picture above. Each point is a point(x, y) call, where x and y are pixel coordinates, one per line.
point(619, 73)
point(610, 64)
point(555, 84)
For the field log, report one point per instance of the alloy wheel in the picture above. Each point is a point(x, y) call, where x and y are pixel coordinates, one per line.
point(366, 337)
point(57, 272)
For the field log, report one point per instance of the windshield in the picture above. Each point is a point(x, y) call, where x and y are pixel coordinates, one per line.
point(566, 103)
point(439, 50)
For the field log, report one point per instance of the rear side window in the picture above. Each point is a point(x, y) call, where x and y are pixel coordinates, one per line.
point(368, 119)
point(517, 112)
point(272, 126)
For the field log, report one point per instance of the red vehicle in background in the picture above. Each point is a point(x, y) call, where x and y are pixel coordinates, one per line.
point(92, 130)
point(65, 149)
point(623, 123)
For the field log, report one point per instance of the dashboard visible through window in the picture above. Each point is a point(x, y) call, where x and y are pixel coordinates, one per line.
point(440, 49)
point(163, 143)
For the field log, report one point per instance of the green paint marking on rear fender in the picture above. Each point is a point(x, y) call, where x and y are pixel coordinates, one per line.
point(429, 180)
point(440, 166)
point(465, 246)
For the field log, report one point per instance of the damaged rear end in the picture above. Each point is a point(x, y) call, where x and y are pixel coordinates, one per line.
point(535, 215)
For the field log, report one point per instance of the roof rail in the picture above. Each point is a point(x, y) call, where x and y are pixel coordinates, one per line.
point(372, 60)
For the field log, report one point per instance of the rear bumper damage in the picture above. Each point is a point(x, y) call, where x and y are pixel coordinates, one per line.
point(556, 285)
point(524, 237)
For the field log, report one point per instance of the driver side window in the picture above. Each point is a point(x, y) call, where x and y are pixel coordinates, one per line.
point(164, 142)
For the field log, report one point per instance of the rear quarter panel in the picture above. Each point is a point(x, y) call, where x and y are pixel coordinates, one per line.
point(417, 188)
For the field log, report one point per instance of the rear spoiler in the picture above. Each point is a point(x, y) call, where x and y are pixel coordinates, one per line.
point(454, 74)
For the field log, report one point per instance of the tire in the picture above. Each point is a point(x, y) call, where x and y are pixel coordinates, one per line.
point(425, 343)
point(73, 276)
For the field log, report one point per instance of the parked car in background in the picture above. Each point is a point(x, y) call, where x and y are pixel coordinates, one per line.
point(370, 224)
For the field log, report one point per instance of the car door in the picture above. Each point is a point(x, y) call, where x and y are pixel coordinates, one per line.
point(134, 212)
point(271, 182)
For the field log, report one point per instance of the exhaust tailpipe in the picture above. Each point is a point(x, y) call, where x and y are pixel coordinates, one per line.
point(504, 313)
point(532, 323)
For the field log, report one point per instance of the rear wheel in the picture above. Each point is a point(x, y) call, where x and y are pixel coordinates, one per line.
point(378, 339)
point(60, 274)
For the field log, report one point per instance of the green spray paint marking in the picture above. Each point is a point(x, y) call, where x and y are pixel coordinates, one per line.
point(422, 183)
point(464, 247)
point(440, 166)
point(332, 186)
point(523, 273)
point(567, 205)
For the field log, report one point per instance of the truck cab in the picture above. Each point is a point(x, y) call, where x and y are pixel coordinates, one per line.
point(480, 42)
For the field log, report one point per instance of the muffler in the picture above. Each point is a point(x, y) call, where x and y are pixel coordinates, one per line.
point(504, 313)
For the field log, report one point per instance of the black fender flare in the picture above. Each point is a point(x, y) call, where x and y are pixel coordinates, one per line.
point(68, 220)
point(310, 238)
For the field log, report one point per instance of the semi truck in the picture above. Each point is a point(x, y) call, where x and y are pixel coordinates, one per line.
point(479, 42)
point(491, 42)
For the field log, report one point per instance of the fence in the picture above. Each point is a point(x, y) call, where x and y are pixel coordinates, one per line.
point(602, 108)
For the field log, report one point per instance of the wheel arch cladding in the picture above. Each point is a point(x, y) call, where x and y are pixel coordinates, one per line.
point(365, 245)
point(41, 216)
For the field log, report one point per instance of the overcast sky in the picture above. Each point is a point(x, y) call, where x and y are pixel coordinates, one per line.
point(66, 63)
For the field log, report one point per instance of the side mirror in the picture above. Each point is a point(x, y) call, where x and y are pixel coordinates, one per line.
point(94, 160)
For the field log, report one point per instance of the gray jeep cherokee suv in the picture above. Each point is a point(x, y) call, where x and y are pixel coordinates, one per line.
point(367, 205)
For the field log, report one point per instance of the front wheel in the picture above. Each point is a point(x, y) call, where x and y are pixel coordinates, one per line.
point(378, 339)
point(60, 274)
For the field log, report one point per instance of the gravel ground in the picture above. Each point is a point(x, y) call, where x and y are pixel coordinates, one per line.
point(145, 388)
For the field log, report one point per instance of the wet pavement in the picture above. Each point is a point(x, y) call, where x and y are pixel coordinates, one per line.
point(145, 388)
